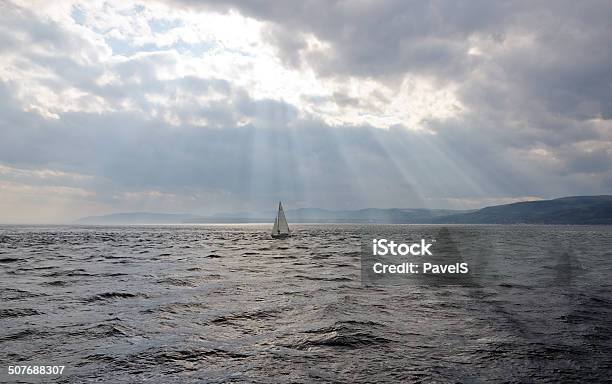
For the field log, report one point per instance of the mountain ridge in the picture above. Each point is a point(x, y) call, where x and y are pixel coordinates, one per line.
point(564, 210)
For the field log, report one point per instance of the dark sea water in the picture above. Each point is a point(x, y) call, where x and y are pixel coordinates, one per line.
point(226, 303)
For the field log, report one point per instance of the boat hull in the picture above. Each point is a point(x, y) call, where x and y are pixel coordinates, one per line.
point(280, 235)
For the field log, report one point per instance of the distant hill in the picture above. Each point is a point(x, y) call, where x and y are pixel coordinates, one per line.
point(368, 215)
point(302, 215)
point(565, 210)
point(138, 218)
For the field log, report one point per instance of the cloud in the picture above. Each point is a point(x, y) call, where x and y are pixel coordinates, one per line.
point(524, 73)
point(209, 107)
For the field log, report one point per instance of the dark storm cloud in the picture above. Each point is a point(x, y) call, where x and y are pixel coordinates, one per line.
point(566, 64)
point(539, 74)
point(375, 37)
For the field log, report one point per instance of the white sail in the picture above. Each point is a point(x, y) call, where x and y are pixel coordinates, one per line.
point(275, 227)
point(280, 223)
point(283, 227)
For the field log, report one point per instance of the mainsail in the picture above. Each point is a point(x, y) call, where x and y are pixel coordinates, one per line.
point(280, 228)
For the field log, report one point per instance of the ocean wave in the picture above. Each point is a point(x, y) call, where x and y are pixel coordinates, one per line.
point(350, 335)
point(179, 282)
point(106, 296)
point(104, 330)
point(18, 312)
point(70, 272)
point(262, 314)
point(24, 335)
point(17, 294)
point(323, 278)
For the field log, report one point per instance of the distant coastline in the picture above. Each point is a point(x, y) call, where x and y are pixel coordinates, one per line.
point(585, 210)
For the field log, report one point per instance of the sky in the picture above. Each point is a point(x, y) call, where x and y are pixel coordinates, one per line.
point(206, 106)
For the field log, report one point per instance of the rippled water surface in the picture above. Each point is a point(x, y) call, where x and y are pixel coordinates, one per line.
point(226, 303)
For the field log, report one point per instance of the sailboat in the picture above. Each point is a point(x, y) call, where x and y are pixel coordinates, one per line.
point(281, 228)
